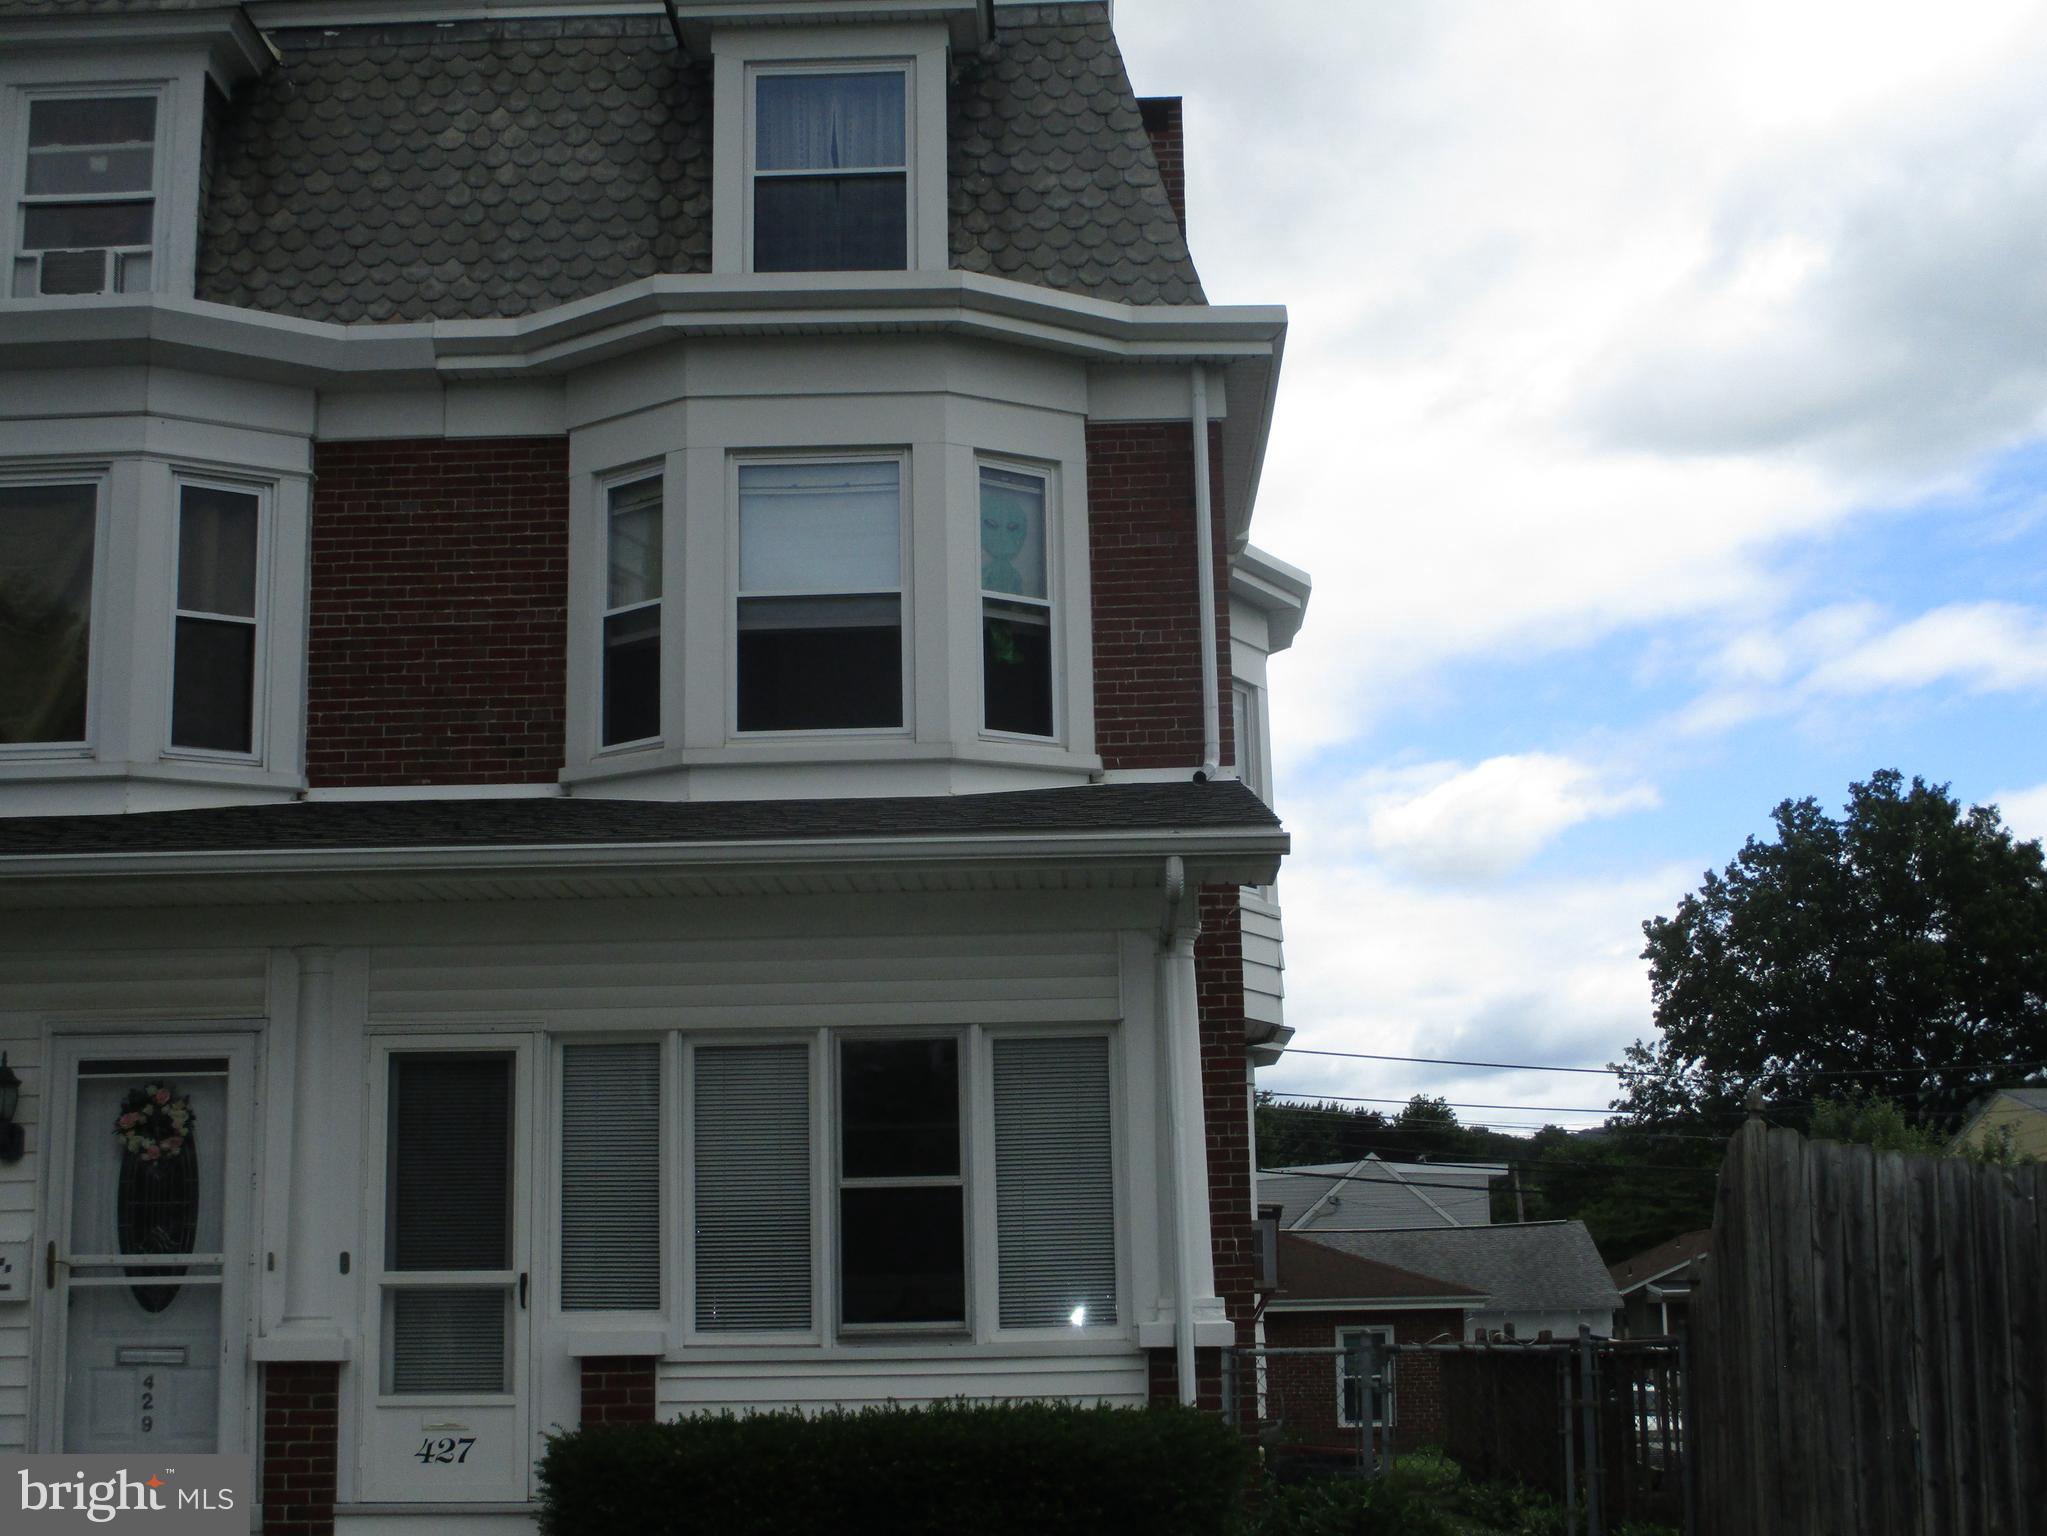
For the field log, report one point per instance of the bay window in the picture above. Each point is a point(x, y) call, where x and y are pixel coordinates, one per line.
point(830, 171)
point(820, 601)
point(1016, 608)
point(214, 641)
point(47, 538)
point(87, 217)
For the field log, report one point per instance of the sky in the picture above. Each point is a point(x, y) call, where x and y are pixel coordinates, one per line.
point(1664, 425)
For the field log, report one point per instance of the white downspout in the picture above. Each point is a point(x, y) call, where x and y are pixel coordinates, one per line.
point(1204, 554)
point(1182, 1028)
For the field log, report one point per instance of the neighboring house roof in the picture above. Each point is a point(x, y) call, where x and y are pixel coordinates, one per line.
point(11, 8)
point(1665, 1258)
point(1372, 1192)
point(493, 168)
point(562, 821)
point(1546, 1266)
point(1311, 1270)
point(2031, 1098)
point(2019, 1112)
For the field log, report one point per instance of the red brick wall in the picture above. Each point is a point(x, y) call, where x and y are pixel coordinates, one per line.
point(301, 1425)
point(1306, 1385)
point(1162, 123)
point(1225, 1112)
point(1147, 618)
point(439, 597)
point(618, 1389)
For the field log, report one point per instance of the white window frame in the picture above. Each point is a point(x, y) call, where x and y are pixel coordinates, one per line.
point(905, 595)
point(96, 476)
point(903, 66)
point(971, 1067)
point(606, 484)
point(259, 679)
point(1053, 603)
point(1384, 1333)
point(19, 197)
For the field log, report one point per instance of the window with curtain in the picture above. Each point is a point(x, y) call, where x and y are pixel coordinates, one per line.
point(611, 1177)
point(752, 1196)
point(46, 555)
point(831, 171)
point(448, 1215)
point(1016, 608)
point(902, 1195)
point(1055, 1207)
point(820, 606)
point(1351, 1385)
point(213, 666)
point(88, 203)
point(632, 612)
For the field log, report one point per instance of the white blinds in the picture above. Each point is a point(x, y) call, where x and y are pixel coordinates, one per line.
point(753, 1206)
point(611, 1177)
point(1054, 1200)
point(448, 1340)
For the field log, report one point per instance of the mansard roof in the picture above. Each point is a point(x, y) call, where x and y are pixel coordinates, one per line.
point(494, 168)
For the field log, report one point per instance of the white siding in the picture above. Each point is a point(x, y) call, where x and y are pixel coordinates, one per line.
point(18, 1225)
point(153, 986)
point(840, 1381)
point(767, 983)
point(1264, 960)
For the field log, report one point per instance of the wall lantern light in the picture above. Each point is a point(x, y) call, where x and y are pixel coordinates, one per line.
point(12, 1138)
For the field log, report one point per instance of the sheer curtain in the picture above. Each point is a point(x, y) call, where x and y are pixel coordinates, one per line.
point(829, 122)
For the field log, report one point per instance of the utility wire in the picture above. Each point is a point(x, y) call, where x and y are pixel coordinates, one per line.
point(1530, 1066)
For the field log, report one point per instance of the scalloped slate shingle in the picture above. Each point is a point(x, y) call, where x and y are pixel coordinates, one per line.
point(462, 172)
point(394, 173)
point(1052, 176)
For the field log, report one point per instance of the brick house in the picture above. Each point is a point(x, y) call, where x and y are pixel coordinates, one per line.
point(633, 767)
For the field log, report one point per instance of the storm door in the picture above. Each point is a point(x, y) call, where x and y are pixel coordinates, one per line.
point(150, 1265)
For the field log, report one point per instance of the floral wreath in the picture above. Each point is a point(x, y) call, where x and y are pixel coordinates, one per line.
point(153, 1125)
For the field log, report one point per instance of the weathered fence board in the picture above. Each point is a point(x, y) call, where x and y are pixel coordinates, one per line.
point(1869, 1346)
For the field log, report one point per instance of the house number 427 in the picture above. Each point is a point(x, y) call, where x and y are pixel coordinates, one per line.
point(446, 1451)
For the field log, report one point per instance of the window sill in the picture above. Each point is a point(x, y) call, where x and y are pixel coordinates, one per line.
point(903, 1347)
point(710, 766)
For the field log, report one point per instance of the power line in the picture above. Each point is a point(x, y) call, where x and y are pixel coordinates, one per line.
point(1561, 1109)
point(1326, 1105)
point(1624, 1072)
point(1505, 1165)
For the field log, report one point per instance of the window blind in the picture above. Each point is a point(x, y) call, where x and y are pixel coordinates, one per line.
point(1055, 1205)
point(448, 1340)
point(611, 1177)
point(753, 1199)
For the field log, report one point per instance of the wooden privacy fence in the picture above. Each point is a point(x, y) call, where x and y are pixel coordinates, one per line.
point(1869, 1345)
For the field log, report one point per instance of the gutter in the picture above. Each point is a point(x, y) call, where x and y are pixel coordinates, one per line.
point(1204, 566)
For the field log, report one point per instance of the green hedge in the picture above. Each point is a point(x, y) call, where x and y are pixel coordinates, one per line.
point(1010, 1469)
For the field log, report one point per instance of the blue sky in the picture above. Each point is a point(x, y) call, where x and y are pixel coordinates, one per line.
point(1665, 428)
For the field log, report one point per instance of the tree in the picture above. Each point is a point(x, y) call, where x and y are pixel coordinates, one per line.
point(1903, 946)
point(1871, 1120)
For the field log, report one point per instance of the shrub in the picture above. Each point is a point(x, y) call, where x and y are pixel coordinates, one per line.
point(1011, 1469)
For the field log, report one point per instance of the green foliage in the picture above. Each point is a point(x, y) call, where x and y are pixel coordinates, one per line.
point(1907, 940)
point(1009, 1469)
point(1871, 1120)
point(1422, 1495)
point(1997, 1148)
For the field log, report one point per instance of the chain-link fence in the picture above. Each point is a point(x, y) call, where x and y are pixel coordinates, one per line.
point(1597, 1424)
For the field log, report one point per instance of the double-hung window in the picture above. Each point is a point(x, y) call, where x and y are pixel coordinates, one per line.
point(820, 602)
point(632, 612)
point(86, 222)
point(1016, 605)
point(1352, 1388)
point(830, 174)
point(47, 534)
point(214, 642)
point(902, 1186)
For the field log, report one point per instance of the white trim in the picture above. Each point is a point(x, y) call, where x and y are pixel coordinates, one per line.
point(1053, 603)
point(162, 90)
point(262, 492)
point(905, 67)
point(1376, 1304)
point(1384, 1333)
point(390, 792)
point(96, 685)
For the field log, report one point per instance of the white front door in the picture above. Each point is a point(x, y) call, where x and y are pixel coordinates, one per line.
point(150, 1264)
point(446, 1401)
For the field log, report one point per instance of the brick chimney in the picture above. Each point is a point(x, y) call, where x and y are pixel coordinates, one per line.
point(1169, 148)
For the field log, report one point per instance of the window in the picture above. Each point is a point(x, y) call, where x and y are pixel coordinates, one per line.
point(87, 219)
point(752, 1186)
point(820, 606)
point(611, 1177)
point(448, 1224)
point(831, 171)
point(46, 554)
point(1016, 610)
point(1247, 729)
point(902, 1194)
point(213, 665)
point(1055, 1210)
point(632, 613)
point(1350, 1377)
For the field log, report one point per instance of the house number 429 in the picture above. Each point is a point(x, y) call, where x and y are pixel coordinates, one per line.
point(446, 1451)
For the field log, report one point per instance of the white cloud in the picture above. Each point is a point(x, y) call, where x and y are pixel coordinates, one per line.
point(1449, 823)
point(2025, 810)
point(1984, 647)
